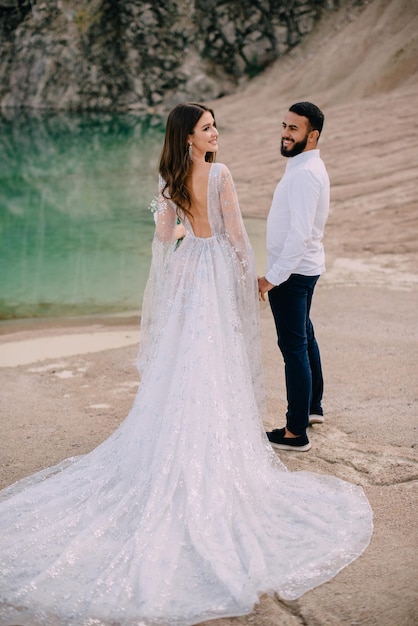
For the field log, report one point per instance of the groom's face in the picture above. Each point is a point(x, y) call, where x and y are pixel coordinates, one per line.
point(295, 134)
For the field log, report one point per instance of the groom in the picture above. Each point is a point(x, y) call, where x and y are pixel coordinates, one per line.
point(295, 260)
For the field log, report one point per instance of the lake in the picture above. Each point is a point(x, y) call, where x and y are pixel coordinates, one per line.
point(75, 228)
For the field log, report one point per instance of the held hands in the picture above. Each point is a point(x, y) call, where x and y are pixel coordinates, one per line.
point(179, 231)
point(263, 287)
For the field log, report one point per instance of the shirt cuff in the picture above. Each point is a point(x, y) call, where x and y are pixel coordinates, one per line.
point(277, 279)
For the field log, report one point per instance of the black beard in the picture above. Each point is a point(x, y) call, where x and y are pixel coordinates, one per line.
point(297, 148)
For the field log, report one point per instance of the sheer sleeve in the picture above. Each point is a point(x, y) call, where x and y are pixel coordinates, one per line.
point(233, 222)
point(165, 216)
point(246, 275)
point(163, 244)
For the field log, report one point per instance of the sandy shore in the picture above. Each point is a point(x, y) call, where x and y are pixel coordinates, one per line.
point(63, 404)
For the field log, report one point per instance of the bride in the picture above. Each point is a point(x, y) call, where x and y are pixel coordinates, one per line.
point(184, 513)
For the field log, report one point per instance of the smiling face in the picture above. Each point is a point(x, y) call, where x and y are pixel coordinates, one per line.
point(297, 135)
point(204, 137)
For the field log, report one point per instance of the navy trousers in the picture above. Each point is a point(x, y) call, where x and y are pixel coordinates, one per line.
point(290, 303)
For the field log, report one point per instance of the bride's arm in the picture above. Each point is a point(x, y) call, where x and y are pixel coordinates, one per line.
point(169, 227)
point(165, 216)
point(162, 245)
point(234, 225)
point(247, 293)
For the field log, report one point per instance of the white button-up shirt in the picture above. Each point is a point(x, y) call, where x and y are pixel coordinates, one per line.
point(297, 217)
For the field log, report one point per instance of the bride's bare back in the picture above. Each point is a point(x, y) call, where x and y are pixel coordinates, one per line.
point(198, 188)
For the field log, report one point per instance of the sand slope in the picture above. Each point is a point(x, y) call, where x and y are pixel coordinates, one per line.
point(361, 67)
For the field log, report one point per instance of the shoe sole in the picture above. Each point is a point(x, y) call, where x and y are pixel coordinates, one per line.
point(316, 419)
point(285, 446)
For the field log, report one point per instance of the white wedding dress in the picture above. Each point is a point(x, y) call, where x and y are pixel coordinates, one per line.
point(184, 513)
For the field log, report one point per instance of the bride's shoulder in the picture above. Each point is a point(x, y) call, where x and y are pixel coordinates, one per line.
point(220, 169)
point(221, 166)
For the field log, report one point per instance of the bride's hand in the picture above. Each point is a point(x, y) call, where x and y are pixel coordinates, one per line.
point(179, 232)
point(263, 287)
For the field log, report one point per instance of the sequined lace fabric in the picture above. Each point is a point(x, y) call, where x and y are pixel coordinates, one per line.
point(184, 513)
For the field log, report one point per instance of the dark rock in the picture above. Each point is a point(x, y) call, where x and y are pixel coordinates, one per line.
point(147, 56)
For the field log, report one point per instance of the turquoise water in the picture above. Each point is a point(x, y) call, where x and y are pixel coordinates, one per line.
point(75, 230)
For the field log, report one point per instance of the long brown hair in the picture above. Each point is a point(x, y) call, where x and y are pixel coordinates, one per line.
point(175, 162)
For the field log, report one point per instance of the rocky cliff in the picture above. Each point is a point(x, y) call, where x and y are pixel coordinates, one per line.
point(143, 55)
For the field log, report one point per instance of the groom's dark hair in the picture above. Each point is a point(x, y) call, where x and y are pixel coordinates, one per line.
point(312, 112)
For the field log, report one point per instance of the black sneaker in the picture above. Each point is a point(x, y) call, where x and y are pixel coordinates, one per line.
point(279, 441)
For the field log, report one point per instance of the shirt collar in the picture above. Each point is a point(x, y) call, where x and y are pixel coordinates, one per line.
point(302, 158)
